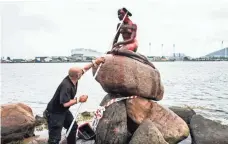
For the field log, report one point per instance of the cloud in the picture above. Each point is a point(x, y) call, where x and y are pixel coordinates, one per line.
point(13, 14)
point(56, 27)
point(16, 24)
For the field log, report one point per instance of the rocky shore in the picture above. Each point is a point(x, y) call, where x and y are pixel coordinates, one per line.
point(202, 130)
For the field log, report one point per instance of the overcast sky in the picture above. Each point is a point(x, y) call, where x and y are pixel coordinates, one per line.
point(53, 28)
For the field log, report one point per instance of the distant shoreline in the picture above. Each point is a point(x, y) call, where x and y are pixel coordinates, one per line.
point(90, 61)
point(43, 62)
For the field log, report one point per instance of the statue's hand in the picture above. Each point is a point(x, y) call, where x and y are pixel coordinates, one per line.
point(115, 51)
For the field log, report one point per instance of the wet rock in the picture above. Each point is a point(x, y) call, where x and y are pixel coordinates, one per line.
point(17, 122)
point(185, 113)
point(205, 131)
point(80, 141)
point(147, 133)
point(85, 117)
point(87, 114)
point(126, 76)
point(172, 127)
point(112, 128)
point(40, 120)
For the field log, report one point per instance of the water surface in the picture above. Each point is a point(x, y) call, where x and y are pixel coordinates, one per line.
point(200, 85)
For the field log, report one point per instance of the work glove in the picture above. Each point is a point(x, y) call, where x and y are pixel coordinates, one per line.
point(83, 98)
point(100, 60)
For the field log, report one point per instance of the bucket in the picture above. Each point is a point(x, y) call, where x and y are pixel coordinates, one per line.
point(86, 132)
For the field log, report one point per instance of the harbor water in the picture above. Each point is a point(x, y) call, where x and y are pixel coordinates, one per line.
point(202, 86)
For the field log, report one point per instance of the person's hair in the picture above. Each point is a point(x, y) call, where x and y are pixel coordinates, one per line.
point(126, 11)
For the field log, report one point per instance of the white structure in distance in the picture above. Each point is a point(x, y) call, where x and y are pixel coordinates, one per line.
point(85, 54)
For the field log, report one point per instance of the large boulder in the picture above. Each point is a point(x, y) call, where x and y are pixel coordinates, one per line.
point(17, 122)
point(112, 128)
point(172, 127)
point(126, 76)
point(147, 133)
point(205, 131)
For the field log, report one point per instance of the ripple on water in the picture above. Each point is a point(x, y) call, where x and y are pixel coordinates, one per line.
point(202, 86)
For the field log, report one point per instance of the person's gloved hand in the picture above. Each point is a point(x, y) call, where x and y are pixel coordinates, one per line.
point(83, 98)
point(100, 60)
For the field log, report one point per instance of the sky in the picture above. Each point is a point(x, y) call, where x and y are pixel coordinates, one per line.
point(52, 28)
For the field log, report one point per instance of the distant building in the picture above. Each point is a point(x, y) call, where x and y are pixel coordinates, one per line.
point(59, 59)
point(40, 59)
point(77, 56)
point(219, 53)
point(48, 59)
point(177, 56)
point(18, 60)
point(85, 54)
point(5, 60)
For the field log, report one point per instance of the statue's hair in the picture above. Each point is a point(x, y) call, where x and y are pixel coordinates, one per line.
point(126, 11)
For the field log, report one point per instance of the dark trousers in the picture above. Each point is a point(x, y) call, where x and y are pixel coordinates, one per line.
point(55, 124)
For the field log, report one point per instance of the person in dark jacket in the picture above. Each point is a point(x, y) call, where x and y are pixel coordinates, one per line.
point(57, 111)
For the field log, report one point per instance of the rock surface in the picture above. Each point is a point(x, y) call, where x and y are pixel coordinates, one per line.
point(185, 113)
point(112, 128)
point(173, 128)
point(17, 122)
point(205, 131)
point(147, 133)
point(42, 140)
point(126, 76)
point(39, 120)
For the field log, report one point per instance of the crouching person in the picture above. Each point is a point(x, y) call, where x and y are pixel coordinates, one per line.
point(57, 111)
